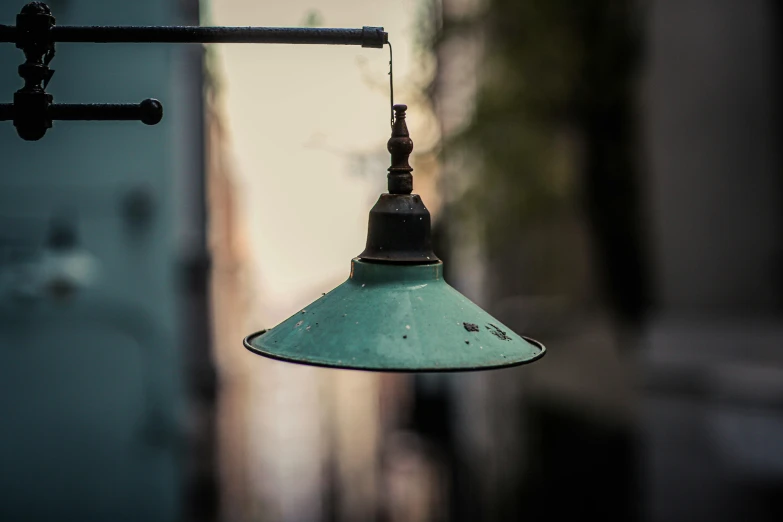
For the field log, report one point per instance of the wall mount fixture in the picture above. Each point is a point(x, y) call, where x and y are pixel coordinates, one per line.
point(36, 34)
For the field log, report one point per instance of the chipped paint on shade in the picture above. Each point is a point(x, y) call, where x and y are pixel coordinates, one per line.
point(389, 317)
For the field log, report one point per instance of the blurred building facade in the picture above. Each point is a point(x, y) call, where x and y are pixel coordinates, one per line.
point(105, 359)
point(231, 305)
point(533, 99)
point(711, 419)
point(612, 187)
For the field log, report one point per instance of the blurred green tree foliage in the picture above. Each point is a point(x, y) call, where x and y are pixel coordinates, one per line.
point(554, 130)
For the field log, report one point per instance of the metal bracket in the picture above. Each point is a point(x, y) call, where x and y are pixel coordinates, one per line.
point(35, 33)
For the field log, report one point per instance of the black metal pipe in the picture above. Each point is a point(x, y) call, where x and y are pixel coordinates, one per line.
point(374, 37)
point(6, 111)
point(149, 111)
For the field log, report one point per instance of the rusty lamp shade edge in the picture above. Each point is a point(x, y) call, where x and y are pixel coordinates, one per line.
point(247, 343)
point(395, 318)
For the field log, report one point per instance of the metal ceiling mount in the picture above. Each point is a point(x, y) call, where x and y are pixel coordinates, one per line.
point(35, 33)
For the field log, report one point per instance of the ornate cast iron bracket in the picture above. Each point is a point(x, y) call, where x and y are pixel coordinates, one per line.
point(35, 33)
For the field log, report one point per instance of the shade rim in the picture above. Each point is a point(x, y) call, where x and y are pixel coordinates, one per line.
point(246, 342)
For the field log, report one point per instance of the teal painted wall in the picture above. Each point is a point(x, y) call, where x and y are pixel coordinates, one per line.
point(91, 395)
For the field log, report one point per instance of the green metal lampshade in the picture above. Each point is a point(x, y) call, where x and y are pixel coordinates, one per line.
point(389, 317)
point(395, 312)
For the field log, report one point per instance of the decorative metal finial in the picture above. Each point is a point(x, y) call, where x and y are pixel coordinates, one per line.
point(400, 146)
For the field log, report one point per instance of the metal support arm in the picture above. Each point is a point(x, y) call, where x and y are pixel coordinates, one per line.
point(35, 33)
point(373, 37)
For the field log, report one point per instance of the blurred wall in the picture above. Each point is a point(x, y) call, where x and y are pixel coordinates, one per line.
point(103, 280)
point(541, 226)
point(712, 424)
point(232, 304)
point(612, 187)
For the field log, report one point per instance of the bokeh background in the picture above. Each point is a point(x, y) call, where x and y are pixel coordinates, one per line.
point(605, 176)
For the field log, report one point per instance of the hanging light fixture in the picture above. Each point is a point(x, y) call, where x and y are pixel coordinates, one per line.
point(395, 312)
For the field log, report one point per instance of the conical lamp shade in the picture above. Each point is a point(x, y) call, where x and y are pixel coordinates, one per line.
point(395, 312)
point(395, 317)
